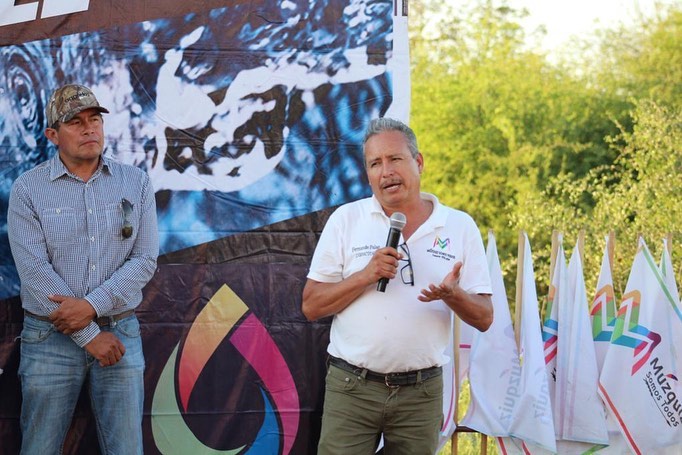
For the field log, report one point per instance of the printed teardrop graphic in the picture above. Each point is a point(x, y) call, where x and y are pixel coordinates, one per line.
point(226, 316)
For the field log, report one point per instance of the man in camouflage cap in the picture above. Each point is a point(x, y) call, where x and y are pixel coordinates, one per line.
point(83, 234)
point(69, 100)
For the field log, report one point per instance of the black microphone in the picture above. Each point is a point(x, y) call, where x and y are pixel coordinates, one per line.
point(398, 222)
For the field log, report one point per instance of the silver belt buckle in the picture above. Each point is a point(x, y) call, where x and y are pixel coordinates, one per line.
point(390, 386)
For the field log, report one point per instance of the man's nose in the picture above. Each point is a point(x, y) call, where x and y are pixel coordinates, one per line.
point(387, 168)
point(88, 127)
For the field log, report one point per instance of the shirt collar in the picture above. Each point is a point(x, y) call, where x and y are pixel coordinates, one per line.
point(57, 168)
point(438, 215)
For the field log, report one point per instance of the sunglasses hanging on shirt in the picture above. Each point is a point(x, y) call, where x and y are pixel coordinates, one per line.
point(127, 230)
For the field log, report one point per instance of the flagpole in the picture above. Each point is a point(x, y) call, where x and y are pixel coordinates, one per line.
point(519, 288)
point(669, 242)
point(552, 264)
point(581, 244)
point(552, 258)
point(611, 249)
point(455, 341)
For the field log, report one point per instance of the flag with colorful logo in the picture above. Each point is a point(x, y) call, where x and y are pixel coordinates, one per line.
point(639, 381)
point(550, 323)
point(603, 314)
point(603, 309)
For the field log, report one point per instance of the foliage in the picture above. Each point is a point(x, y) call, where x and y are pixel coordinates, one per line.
point(523, 143)
point(644, 61)
point(591, 141)
point(468, 443)
point(644, 200)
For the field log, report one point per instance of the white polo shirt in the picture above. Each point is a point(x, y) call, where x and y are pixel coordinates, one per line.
point(394, 331)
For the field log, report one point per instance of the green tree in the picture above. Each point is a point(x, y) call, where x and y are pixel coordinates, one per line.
point(496, 121)
point(637, 195)
point(644, 61)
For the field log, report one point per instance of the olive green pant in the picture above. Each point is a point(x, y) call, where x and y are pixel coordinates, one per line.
point(357, 412)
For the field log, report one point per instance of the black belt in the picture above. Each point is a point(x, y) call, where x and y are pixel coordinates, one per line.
point(103, 321)
point(390, 379)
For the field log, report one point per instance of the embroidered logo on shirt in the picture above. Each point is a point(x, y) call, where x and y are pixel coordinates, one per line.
point(441, 249)
point(442, 244)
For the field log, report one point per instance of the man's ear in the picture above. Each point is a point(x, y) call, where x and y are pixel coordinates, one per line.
point(420, 162)
point(52, 135)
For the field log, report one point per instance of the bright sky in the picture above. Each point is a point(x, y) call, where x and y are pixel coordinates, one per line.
point(565, 18)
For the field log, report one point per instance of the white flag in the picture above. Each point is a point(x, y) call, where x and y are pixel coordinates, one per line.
point(668, 274)
point(466, 338)
point(550, 325)
point(511, 446)
point(578, 406)
point(450, 394)
point(639, 381)
point(531, 419)
point(603, 313)
point(494, 369)
point(603, 309)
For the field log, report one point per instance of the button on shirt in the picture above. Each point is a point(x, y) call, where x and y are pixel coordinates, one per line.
point(65, 236)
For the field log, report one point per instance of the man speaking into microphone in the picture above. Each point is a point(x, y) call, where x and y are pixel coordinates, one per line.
point(392, 304)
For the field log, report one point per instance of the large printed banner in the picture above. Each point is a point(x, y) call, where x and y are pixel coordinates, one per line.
point(248, 115)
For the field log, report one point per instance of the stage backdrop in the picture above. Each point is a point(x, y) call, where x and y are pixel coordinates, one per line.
point(248, 115)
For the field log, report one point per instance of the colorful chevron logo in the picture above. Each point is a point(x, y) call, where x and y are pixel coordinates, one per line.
point(627, 331)
point(442, 244)
point(603, 314)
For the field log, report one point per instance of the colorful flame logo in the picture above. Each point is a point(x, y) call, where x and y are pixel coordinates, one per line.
point(226, 315)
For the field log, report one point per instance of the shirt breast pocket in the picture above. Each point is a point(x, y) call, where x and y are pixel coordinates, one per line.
point(60, 225)
point(115, 220)
point(114, 214)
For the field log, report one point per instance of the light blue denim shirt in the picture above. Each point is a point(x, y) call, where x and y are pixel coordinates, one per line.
point(66, 238)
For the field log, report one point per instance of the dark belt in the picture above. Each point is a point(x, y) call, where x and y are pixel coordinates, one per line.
point(102, 321)
point(390, 379)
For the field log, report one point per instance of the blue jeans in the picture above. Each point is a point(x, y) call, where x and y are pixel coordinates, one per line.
point(53, 369)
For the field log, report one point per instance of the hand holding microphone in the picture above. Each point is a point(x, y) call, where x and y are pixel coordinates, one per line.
point(398, 221)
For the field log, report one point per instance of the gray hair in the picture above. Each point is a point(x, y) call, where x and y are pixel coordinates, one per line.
point(384, 124)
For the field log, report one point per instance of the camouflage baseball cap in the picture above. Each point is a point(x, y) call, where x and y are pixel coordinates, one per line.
point(67, 101)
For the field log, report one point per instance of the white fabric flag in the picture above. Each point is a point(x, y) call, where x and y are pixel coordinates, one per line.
point(450, 395)
point(531, 419)
point(668, 274)
point(451, 387)
point(494, 369)
point(466, 337)
point(603, 314)
point(550, 324)
point(639, 381)
point(512, 446)
point(603, 309)
point(579, 408)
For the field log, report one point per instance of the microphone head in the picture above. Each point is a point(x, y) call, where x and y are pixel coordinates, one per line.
point(398, 221)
